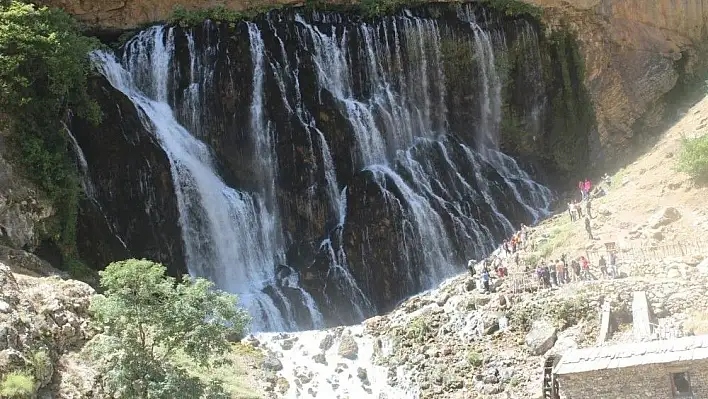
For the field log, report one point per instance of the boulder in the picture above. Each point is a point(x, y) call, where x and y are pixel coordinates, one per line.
point(23, 207)
point(657, 235)
point(362, 375)
point(348, 347)
point(320, 358)
point(327, 342)
point(664, 217)
point(673, 273)
point(272, 363)
point(287, 344)
point(542, 337)
point(42, 320)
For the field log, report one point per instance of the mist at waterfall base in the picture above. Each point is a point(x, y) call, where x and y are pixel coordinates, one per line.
point(396, 200)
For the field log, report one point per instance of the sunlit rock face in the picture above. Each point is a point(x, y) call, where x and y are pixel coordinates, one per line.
point(641, 60)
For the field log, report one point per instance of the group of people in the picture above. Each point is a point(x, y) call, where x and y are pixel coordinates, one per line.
point(575, 208)
point(512, 245)
point(496, 263)
point(550, 273)
point(558, 272)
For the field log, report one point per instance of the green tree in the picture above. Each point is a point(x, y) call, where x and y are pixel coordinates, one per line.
point(148, 319)
point(44, 68)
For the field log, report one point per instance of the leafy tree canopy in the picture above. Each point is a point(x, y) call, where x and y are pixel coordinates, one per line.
point(148, 319)
point(43, 60)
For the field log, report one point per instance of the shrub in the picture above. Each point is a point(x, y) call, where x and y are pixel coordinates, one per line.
point(418, 330)
point(41, 364)
point(17, 385)
point(185, 18)
point(474, 358)
point(521, 318)
point(531, 259)
point(514, 8)
point(150, 321)
point(693, 158)
point(378, 8)
point(571, 311)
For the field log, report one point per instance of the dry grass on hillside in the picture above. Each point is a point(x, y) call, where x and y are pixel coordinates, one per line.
point(639, 190)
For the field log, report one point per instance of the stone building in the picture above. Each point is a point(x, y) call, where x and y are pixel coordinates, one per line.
point(666, 369)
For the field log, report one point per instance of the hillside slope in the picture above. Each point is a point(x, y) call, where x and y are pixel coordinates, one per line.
point(457, 342)
point(637, 193)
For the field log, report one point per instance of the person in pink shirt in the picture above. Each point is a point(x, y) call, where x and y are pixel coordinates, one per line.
point(587, 185)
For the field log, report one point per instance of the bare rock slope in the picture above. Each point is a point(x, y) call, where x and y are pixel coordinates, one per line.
point(636, 52)
point(43, 322)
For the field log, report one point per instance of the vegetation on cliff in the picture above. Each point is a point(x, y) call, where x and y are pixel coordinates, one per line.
point(561, 137)
point(573, 115)
point(366, 8)
point(514, 8)
point(182, 16)
point(43, 73)
point(693, 158)
point(152, 323)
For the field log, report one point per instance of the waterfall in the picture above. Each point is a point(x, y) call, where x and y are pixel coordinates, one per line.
point(212, 215)
point(331, 105)
point(87, 185)
point(260, 127)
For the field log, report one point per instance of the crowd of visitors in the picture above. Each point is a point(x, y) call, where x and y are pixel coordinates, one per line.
point(553, 272)
point(559, 272)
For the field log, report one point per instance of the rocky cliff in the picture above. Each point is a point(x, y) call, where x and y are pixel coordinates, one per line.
point(312, 154)
point(116, 15)
point(24, 209)
point(44, 322)
point(362, 157)
point(640, 57)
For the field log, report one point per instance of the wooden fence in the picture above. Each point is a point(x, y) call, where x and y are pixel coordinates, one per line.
point(652, 252)
point(519, 281)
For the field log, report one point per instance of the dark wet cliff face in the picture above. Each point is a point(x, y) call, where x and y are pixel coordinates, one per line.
point(129, 209)
point(322, 167)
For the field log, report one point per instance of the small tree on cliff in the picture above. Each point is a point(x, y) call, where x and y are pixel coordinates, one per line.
point(148, 318)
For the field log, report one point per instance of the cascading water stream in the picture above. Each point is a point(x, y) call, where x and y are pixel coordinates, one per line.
point(538, 204)
point(212, 215)
point(381, 87)
point(87, 185)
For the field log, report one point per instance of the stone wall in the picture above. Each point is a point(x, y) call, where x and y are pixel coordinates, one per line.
point(649, 381)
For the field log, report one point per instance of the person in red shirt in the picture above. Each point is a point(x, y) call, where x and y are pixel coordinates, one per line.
point(585, 265)
point(587, 185)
